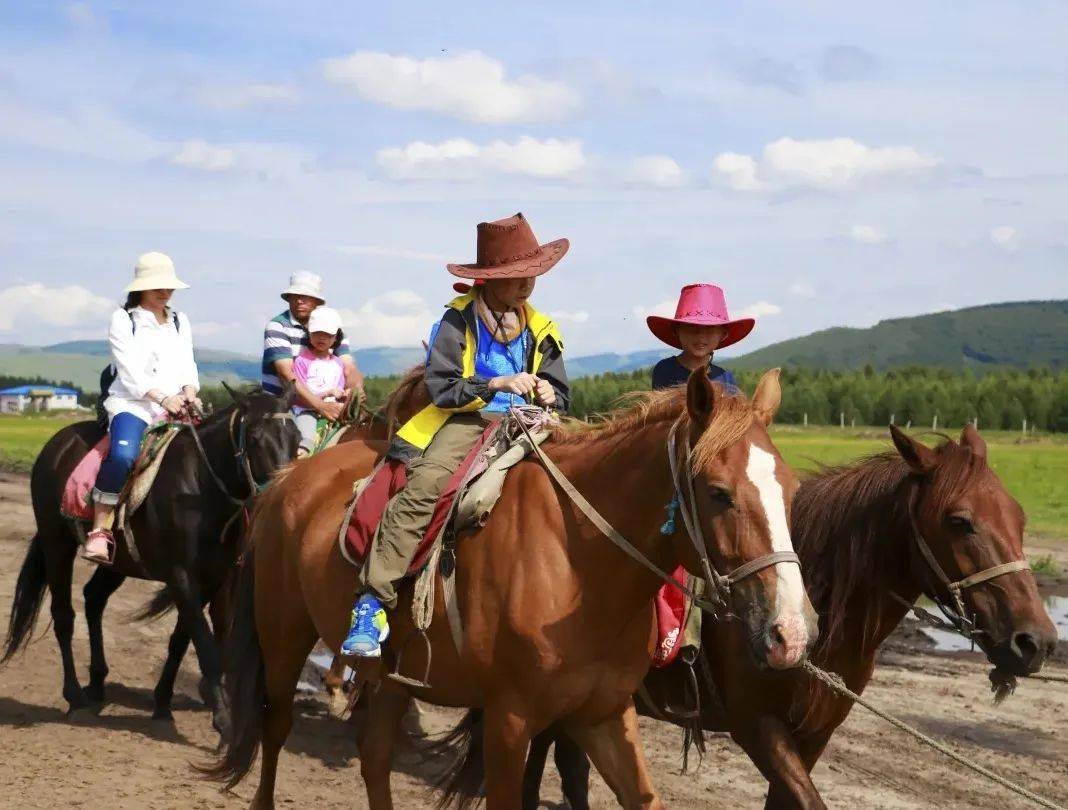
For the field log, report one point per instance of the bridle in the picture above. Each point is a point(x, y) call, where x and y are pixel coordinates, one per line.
point(692, 520)
point(957, 614)
point(237, 443)
point(241, 450)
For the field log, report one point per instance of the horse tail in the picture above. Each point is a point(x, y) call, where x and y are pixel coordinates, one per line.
point(246, 690)
point(159, 605)
point(462, 782)
point(29, 594)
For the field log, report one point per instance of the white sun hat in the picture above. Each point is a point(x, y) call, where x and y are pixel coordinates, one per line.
point(305, 283)
point(324, 319)
point(154, 271)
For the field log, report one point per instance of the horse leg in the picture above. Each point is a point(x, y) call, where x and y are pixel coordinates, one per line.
point(285, 649)
point(615, 750)
point(377, 739)
point(574, 768)
point(101, 585)
point(164, 691)
point(59, 558)
point(334, 683)
point(774, 750)
point(535, 768)
point(506, 738)
point(191, 614)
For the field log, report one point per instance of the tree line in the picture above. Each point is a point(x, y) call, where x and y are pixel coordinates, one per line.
point(998, 399)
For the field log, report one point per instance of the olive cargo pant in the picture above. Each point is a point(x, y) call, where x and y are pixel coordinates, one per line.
point(409, 512)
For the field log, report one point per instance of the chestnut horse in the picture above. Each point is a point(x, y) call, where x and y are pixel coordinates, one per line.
point(858, 531)
point(558, 624)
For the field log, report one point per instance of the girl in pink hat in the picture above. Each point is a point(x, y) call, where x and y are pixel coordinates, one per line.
point(700, 326)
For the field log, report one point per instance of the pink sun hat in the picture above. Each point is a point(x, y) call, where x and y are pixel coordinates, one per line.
point(700, 305)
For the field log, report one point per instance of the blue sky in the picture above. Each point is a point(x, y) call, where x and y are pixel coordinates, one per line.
point(826, 164)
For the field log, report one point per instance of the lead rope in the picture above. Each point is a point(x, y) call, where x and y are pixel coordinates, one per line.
point(835, 683)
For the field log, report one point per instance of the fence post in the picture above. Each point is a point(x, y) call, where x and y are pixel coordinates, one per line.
point(806, 418)
point(853, 422)
point(975, 422)
point(892, 418)
point(908, 425)
point(1025, 428)
point(934, 422)
point(841, 419)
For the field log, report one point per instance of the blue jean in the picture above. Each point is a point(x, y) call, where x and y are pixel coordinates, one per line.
point(126, 431)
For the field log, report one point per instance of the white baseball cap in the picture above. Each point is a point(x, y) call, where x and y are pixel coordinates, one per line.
point(324, 319)
point(304, 283)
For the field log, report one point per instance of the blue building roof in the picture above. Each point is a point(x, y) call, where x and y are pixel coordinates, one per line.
point(24, 390)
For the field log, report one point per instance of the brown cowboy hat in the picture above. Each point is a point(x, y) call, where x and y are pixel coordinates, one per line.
point(508, 248)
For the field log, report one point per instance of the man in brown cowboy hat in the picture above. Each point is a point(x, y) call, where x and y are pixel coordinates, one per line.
point(491, 350)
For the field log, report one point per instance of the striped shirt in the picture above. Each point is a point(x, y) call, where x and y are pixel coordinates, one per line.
point(283, 338)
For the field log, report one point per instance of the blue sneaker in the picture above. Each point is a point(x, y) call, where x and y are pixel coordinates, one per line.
point(369, 628)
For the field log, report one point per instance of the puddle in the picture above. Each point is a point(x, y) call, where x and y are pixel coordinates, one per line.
point(948, 641)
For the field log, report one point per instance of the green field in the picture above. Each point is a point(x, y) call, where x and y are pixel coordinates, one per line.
point(1036, 471)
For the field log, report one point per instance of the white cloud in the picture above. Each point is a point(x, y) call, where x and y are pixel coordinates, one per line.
point(802, 289)
point(831, 164)
point(394, 318)
point(659, 171)
point(578, 316)
point(665, 308)
point(391, 253)
point(470, 86)
point(761, 309)
point(460, 159)
point(36, 305)
point(198, 154)
point(266, 159)
point(867, 235)
point(237, 96)
point(1005, 237)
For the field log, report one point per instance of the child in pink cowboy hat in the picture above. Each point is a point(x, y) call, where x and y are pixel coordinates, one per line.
point(700, 326)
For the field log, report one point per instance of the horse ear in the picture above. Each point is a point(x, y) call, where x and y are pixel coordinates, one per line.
point(700, 397)
point(768, 396)
point(917, 455)
point(289, 393)
point(240, 400)
point(970, 438)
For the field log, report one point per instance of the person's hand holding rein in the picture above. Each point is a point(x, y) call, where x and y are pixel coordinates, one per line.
point(330, 410)
point(545, 393)
point(174, 405)
point(522, 384)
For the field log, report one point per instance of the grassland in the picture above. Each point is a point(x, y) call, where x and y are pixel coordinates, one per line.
point(1035, 471)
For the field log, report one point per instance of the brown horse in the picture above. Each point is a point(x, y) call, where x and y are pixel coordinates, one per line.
point(858, 531)
point(557, 623)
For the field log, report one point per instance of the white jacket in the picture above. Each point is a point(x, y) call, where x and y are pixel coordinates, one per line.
point(152, 356)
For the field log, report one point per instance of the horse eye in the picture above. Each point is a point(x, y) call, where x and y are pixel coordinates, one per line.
point(721, 495)
point(960, 524)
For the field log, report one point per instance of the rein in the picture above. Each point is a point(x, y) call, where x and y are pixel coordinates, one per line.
point(690, 518)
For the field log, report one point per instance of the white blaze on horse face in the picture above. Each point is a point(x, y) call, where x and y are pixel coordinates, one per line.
point(789, 590)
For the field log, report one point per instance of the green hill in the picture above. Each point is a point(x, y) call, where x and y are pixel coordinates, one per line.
point(1020, 334)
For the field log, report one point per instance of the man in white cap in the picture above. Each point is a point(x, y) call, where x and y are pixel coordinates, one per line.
point(287, 333)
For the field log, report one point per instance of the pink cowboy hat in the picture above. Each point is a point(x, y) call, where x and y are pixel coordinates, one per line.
point(700, 305)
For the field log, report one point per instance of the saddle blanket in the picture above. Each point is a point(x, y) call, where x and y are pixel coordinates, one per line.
point(77, 502)
point(389, 479)
point(672, 610)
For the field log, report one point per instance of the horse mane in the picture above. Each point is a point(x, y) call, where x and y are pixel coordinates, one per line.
point(402, 395)
point(731, 419)
point(851, 528)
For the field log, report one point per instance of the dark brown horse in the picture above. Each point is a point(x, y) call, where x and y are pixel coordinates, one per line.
point(557, 622)
point(179, 533)
point(858, 531)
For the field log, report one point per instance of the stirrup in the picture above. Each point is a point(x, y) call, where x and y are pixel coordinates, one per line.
point(395, 675)
point(690, 689)
point(109, 539)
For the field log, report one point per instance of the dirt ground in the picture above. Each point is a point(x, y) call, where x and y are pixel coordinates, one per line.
point(121, 758)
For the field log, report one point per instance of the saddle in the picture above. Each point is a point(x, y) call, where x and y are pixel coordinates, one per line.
point(76, 500)
point(465, 503)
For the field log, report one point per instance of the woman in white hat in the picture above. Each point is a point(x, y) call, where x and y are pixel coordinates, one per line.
point(154, 376)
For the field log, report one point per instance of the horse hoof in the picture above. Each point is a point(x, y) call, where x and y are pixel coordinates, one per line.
point(339, 704)
point(82, 714)
point(95, 695)
point(220, 721)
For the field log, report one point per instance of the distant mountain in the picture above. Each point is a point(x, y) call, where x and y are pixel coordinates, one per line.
point(1015, 334)
point(1018, 334)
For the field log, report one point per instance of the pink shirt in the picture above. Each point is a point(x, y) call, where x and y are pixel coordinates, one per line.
point(320, 375)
